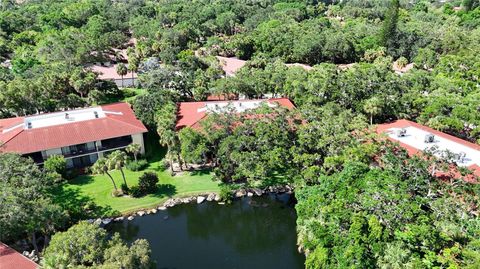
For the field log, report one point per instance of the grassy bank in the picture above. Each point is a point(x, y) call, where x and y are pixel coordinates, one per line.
point(98, 188)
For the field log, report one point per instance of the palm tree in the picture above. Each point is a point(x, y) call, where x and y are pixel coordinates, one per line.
point(134, 149)
point(372, 106)
point(133, 67)
point(117, 160)
point(100, 167)
point(122, 70)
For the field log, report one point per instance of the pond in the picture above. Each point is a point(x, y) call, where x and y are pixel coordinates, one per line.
point(254, 232)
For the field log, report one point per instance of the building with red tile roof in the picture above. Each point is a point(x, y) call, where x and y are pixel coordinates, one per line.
point(416, 138)
point(11, 259)
point(230, 65)
point(81, 135)
point(191, 113)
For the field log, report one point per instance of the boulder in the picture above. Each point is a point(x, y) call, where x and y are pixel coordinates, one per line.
point(211, 197)
point(200, 199)
point(141, 213)
point(25, 253)
point(186, 200)
point(106, 221)
point(119, 219)
point(240, 193)
point(97, 221)
point(130, 218)
point(162, 208)
point(249, 194)
point(154, 211)
point(217, 197)
point(221, 203)
point(258, 192)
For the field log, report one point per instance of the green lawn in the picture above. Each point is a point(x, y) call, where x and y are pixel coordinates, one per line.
point(99, 187)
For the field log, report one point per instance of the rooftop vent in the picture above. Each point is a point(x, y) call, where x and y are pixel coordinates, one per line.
point(401, 132)
point(429, 138)
point(96, 114)
point(67, 117)
point(29, 125)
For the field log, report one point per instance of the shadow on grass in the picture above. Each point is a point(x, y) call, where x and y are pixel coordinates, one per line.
point(165, 190)
point(82, 180)
point(79, 206)
point(201, 172)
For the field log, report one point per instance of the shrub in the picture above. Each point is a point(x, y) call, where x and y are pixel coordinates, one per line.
point(137, 165)
point(136, 192)
point(148, 182)
point(226, 192)
point(57, 164)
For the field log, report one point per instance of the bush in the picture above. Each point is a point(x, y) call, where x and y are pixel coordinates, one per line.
point(57, 164)
point(136, 192)
point(226, 192)
point(148, 182)
point(137, 165)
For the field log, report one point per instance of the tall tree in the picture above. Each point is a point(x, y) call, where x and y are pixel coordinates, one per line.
point(87, 245)
point(122, 70)
point(134, 149)
point(166, 120)
point(117, 160)
point(25, 204)
point(389, 28)
point(100, 167)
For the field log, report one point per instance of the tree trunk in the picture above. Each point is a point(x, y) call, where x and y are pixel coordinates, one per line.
point(113, 181)
point(47, 241)
point(133, 80)
point(135, 156)
point(171, 165)
point(34, 242)
point(122, 81)
point(371, 119)
point(123, 176)
point(180, 163)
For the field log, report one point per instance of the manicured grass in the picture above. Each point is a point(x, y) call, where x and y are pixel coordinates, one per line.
point(99, 187)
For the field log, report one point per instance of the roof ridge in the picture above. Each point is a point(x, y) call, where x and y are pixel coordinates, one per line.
point(124, 122)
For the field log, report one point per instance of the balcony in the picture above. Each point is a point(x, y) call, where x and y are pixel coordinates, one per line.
point(79, 152)
point(113, 143)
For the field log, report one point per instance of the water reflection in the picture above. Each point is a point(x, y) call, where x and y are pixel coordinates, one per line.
point(251, 233)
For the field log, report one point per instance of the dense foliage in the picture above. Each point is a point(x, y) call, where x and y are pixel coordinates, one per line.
point(26, 207)
point(362, 204)
point(394, 216)
point(95, 249)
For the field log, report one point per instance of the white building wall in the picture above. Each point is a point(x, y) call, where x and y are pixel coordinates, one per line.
point(138, 139)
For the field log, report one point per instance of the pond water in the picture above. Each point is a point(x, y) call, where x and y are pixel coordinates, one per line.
point(254, 232)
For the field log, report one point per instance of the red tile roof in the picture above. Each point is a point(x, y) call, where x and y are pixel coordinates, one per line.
point(230, 65)
point(25, 141)
point(383, 128)
point(110, 72)
point(189, 114)
point(11, 259)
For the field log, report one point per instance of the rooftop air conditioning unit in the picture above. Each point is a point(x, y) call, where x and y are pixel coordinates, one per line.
point(429, 138)
point(67, 117)
point(401, 132)
point(29, 125)
point(461, 157)
point(96, 114)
